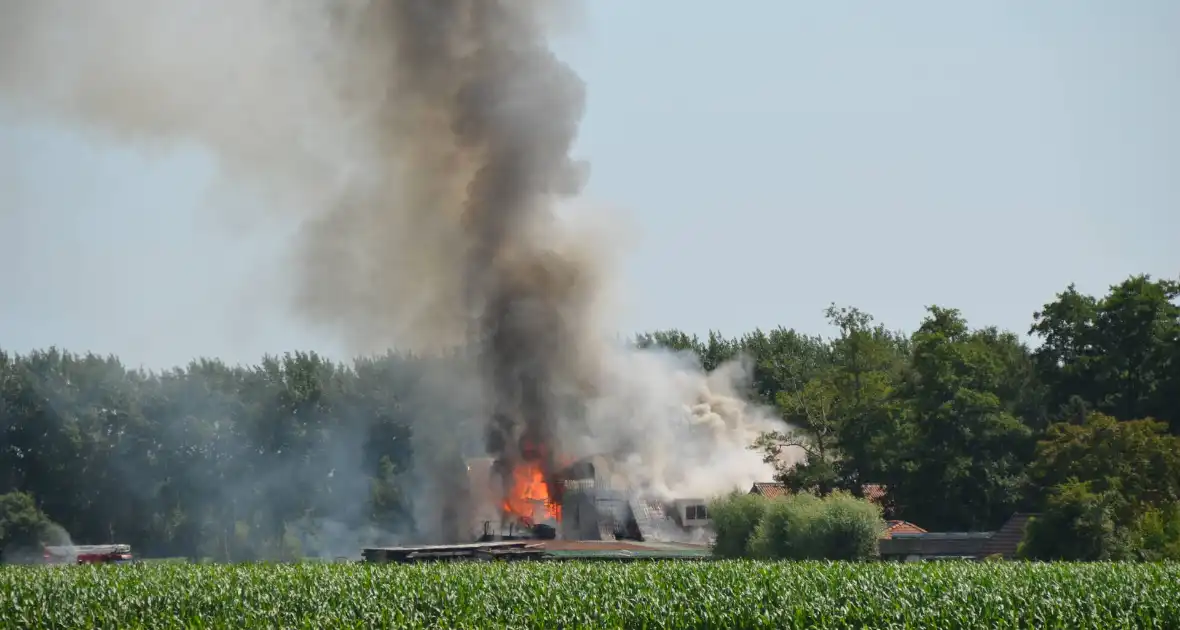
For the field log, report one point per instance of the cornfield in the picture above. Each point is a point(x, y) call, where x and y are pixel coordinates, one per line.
point(737, 594)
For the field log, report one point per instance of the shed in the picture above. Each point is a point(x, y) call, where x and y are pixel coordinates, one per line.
point(911, 546)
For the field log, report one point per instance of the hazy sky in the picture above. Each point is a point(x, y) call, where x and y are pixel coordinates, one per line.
point(774, 157)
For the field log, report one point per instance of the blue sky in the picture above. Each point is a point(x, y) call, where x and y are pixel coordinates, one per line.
point(774, 158)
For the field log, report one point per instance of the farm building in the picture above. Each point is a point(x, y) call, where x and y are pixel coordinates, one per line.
point(909, 546)
point(598, 516)
point(597, 504)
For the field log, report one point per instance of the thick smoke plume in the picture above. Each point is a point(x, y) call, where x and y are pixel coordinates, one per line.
point(422, 147)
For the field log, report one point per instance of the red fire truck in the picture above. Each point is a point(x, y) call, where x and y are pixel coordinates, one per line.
point(88, 554)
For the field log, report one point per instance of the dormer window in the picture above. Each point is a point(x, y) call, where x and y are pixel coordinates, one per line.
point(696, 513)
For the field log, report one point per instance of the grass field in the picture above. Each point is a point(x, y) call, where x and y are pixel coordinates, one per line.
point(939, 596)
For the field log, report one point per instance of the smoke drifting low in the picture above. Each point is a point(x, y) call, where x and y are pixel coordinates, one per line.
point(423, 147)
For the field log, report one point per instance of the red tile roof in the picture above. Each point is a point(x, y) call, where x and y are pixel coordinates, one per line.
point(873, 492)
point(901, 527)
point(770, 490)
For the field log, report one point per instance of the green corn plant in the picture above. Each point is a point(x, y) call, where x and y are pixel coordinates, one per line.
point(727, 594)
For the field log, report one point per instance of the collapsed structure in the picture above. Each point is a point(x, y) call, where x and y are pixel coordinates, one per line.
point(596, 503)
point(597, 514)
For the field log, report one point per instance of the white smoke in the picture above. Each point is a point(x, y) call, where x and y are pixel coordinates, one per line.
point(673, 430)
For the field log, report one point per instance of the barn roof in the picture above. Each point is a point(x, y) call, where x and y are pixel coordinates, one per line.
point(901, 527)
point(1002, 542)
point(1008, 537)
point(770, 489)
point(962, 544)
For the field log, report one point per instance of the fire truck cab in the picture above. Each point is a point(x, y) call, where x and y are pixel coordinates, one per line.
point(88, 554)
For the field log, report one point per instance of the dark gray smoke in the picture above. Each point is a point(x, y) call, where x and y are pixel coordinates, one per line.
point(418, 149)
point(481, 116)
point(512, 109)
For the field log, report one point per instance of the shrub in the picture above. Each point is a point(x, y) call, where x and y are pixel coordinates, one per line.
point(1156, 535)
point(848, 528)
point(734, 517)
point(1077, 524)
point(806, 527)
point(785, 530)
point(23, 528)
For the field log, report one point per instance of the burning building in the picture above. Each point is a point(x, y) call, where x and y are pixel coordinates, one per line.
point(511, 502)
point(596, 514)
point(595, 503)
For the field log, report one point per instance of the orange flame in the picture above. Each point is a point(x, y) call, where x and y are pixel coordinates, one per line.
point(527, 492)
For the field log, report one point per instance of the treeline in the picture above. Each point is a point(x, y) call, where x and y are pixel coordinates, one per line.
point(294, 456)
point(964, 427)
point(299, 455)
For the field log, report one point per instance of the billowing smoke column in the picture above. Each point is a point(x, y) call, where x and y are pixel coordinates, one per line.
point(419, 148)
point(513, 109)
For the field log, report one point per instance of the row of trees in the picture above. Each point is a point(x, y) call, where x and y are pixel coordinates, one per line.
point(296, 455)
point(299, 455)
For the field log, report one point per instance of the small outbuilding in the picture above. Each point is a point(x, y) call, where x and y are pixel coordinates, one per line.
point(910, 546)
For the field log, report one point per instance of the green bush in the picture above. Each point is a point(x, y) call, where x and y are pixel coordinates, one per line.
point(806, 527)
point(734, 517)
point(1156, 535)
point(786, 530)
point(24, 528)
point(848, 528)
point(1077, 524)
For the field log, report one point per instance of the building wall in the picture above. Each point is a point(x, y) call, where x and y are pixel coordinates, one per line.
point(594, 504)
point(579, 516)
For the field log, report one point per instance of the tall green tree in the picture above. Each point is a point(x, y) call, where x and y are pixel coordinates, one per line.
point(1106, 490)
point(843, 412)
point(963, 452)
point(1077, 523)
point(1138, 460)
point(24, 528)
point(1119, 354)
point(869, 362)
